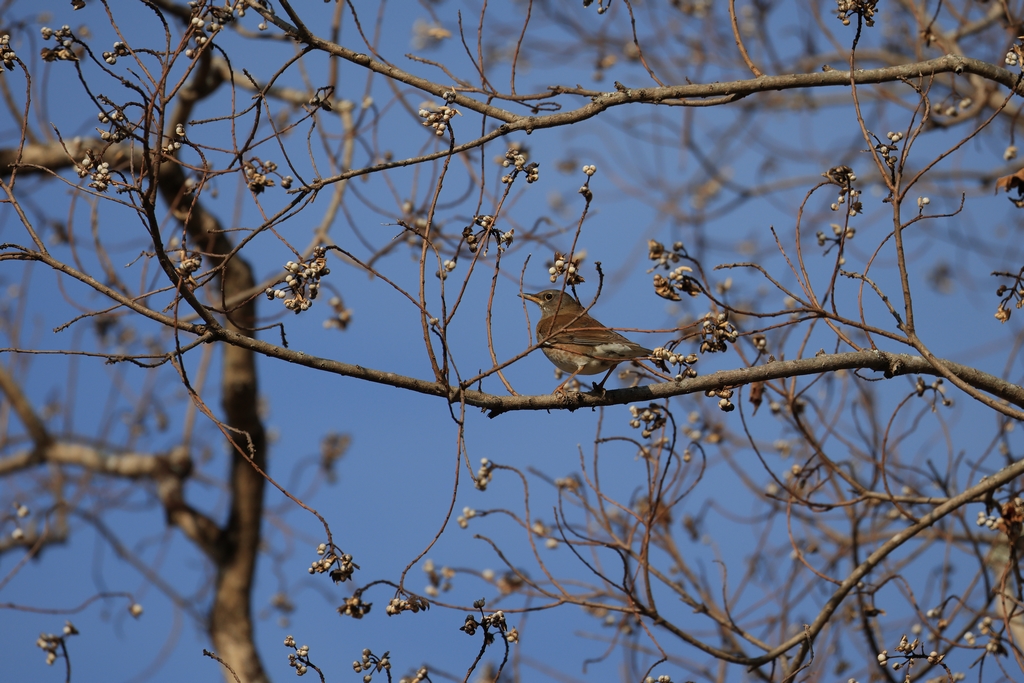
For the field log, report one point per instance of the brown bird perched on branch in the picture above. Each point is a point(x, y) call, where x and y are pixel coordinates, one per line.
point(577, 343)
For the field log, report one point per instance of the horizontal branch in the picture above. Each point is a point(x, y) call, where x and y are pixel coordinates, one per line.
point(686, 95)
point(891, 364)
point(99, 460)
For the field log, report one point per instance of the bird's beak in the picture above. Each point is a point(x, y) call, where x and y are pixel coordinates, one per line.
point(531, 297)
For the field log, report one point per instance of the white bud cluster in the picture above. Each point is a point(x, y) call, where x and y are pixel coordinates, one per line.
point(188, 264)
point(839, 233)
point(7, 54)
point(985, 520)
point(864, 8)
point(116, 119)
point(516, 157)
point(343, 572)
point(570, 267)
point(844, 177)
point(302, 282)
point(120, 50)
point(299, 660)
point(50, 642)
point(100, 177)
point(446, 267)
point(673, 357)
point(421, 674)
point(487, 622)
point(258, 172)
point(61, 52)
point(468, 513)
point(438, 119)
point(412, 604)
point(484, 474)
point(208, 20)
point(651, 418)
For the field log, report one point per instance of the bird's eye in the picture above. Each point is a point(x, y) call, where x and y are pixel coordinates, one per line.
point(548, 297)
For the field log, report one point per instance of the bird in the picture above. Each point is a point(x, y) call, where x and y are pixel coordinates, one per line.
point(575, 342)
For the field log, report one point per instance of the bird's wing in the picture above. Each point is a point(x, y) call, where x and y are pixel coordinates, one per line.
point(607, 346)
point(617, 350)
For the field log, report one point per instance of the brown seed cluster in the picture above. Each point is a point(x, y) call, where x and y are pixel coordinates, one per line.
point(678, 280)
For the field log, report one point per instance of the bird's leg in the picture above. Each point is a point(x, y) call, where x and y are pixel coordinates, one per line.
point(560, 389)
point(599, 386)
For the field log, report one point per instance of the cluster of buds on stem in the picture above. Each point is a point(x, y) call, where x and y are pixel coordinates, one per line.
point(355, 607)
point(994, 644)
point(1015, 55)
point(61, 52)
point(473, 238)
point(724, 397)
point(439, 118)
point(321, 99)
point(328, 559)
point(413, 603)
point(567, 266)
point(257, 174)
point(652, 418)
point(1009, 521)
point(516, 158)
point(862, 8)
point(7, 54)
point(468, 513)
point(99, 173)
point(487, 622)
point(372, 661)
point(116, 120)
point(440, 580)
point(840, 233)
point(1010, 293)
point(908, 650)
point(717, 332)
point(421, 675)
point(303, 281)
point(887, 150)
point(188, 264)
point(678, 280)
point(120, 50)
point(447, 266)
point(484, 474)
point(207, 21)
point(51, 642)
point(844, 177)
point(298, 660)
point(342, 316)
point(665, 356)
point(589, 170)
